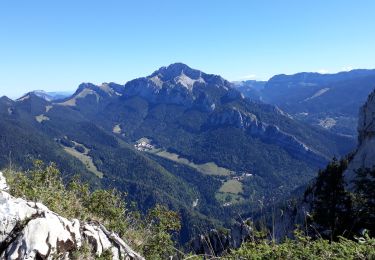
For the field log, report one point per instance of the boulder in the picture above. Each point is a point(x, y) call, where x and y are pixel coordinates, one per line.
point(29, 230)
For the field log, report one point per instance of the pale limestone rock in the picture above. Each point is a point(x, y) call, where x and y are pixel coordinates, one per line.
point(365, 154)
point(271, 133)
point(29, 230)
point(366, 120)
point(3, 183)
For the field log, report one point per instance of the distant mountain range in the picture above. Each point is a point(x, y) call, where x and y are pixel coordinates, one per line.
point(330, 101)
point(52, 96)
point(179, 137)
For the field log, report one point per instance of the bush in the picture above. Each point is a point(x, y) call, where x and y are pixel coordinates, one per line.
point(151, 235)
point(332, 211)
point(365, 199)
point(162, 223)
point(79, 149)
point(305, 248)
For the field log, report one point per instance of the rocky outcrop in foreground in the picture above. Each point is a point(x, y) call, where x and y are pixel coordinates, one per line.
point(29, 230)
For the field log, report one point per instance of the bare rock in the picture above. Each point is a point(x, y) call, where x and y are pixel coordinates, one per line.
point(365, 154)
point(3, 183)
point(29, 230)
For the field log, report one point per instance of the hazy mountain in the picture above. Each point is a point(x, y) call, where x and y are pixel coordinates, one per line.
point(330, 101)
point(51, 96)
point(250, 88)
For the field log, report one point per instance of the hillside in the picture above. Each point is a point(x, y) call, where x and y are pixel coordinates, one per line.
point(339, 201)
point(75, 144)
point(329, 101)
point(43, 218)
point(335, 210)
point(179, 137)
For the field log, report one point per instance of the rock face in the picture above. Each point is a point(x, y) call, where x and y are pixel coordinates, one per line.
point(181, 85)
point(29, 230)
point(266, 132)
point(366, 121)
point(365, 154)
point(315, 98)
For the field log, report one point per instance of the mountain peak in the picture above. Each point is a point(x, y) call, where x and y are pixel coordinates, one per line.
point(176, 71)
point(180, 84)
point(6, 99)
point(31, 96)
point(179, 74)
point(104, 89)
point(178, 66)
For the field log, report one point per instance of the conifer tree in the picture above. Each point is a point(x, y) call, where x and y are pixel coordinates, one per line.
point(331, 203)
point(365, 199)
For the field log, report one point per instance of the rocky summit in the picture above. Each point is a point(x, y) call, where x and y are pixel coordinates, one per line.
point(29, 230)
point(179, 84)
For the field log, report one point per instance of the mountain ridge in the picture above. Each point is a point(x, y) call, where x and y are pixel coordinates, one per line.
point(159, 143)
point(328, 101)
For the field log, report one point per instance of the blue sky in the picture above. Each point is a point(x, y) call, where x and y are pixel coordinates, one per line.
point(55, 45)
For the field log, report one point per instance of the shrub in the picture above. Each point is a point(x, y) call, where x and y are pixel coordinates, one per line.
point(304, 247)
point(151, 235)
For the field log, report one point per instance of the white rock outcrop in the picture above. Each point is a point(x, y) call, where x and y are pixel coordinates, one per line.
point(3, 183)
point(29, 230)
point(365, 154)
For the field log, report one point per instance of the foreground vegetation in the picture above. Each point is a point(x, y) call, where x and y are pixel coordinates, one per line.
point(303, 247)
point(153, 234)
point(342, 208)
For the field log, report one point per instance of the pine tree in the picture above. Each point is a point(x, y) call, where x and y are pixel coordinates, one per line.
point(331, 203)
point(365, 199)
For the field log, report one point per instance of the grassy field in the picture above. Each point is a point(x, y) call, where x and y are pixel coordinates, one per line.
point(230, 192)
point(85, 159)
point(209, 168)
point(232, 186)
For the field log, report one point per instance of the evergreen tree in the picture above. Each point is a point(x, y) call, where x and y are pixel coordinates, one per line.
point(331, 204)
point(365, 199)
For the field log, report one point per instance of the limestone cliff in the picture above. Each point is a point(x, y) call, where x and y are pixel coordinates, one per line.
point(364, 157)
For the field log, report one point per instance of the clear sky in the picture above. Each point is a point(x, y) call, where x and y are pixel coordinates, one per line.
point(55, 45)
